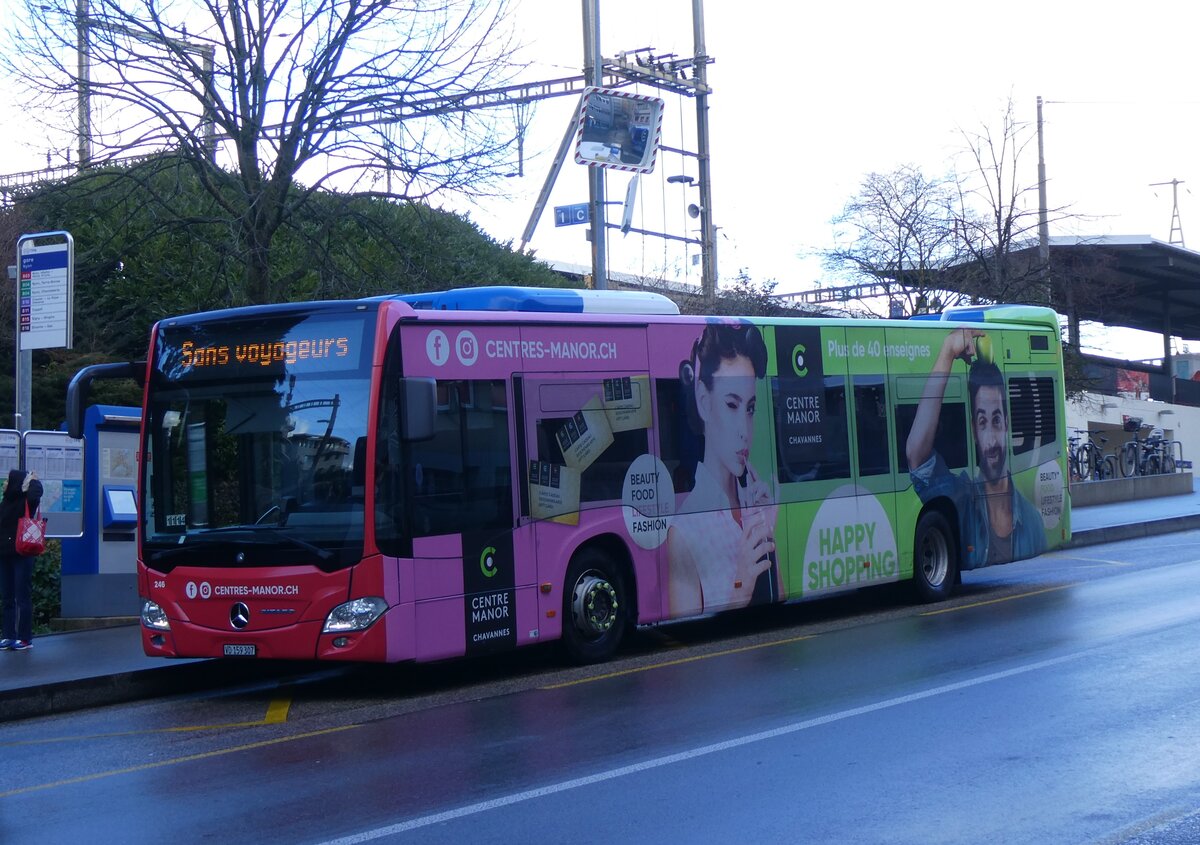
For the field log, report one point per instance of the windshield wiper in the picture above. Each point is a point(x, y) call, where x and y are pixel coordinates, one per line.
point(199, 539)
point(180, 548)
point(276, 532)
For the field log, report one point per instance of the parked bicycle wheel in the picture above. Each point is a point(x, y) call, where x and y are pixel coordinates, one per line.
point(1128, 459)
point(1087, 462)
point(1108, 468)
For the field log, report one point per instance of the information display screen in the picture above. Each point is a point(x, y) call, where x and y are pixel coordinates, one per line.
point(253, 348)
point(122, 504)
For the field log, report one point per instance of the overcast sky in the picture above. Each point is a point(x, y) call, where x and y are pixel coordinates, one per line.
point(811, 97)
point(808, 98)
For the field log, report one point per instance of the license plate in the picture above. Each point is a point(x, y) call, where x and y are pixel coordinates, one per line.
point(240, 650)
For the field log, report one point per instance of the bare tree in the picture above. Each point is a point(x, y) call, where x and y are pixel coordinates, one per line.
point(998, 216)
point(897, 236)
point(972, 236)
point(269, 101)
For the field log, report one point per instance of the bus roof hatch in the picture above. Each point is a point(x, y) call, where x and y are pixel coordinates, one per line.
point(545, 300)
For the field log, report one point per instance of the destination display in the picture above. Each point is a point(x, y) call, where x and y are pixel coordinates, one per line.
point(233, 350)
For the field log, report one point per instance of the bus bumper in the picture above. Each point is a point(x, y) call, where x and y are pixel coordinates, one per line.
point(389, 639)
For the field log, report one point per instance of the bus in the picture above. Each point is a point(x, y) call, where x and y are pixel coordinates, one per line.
point(430, 476)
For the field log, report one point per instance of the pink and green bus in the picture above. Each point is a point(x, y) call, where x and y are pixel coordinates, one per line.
point(423, 477)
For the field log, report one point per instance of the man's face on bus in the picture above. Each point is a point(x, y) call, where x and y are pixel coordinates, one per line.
point(991, 432)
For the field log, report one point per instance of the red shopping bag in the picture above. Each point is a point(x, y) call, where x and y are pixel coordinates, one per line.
point(31, 534)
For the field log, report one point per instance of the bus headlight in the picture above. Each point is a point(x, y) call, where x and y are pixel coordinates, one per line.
point(354, 615)
point(155, 617)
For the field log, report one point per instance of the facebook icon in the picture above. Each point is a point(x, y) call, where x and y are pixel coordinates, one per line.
point(437, 347)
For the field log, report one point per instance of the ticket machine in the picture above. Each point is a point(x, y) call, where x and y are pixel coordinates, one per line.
point(99, 568)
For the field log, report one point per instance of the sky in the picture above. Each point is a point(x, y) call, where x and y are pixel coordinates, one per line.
point(810, 98)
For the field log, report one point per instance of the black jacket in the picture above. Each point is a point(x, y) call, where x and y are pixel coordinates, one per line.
point(12, 508)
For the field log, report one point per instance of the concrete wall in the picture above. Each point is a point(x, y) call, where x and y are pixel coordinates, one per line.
point(1106, 492)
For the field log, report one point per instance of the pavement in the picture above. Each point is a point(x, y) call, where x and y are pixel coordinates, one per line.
point(93, 667)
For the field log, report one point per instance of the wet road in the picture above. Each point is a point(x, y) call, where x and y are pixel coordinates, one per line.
point(1055, 701)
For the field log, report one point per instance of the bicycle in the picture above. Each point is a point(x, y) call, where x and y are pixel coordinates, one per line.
point(1150, 455)
point(1087, 461)
point(1073, 468)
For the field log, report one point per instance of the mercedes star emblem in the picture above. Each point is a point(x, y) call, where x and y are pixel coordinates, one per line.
point(239, 616)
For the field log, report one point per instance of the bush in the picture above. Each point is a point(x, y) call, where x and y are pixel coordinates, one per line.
point(47, 586)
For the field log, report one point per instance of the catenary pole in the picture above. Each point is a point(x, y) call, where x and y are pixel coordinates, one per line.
point(593, 64)
point(708, 246)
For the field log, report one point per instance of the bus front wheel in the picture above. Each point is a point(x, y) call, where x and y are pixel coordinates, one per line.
point(935, 558)
point(596, 607)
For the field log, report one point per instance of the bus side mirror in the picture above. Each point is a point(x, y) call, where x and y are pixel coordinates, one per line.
point(419, 410)
point(81, 383)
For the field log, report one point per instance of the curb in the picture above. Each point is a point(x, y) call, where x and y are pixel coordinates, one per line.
point(122, 687)
point(1133, 531)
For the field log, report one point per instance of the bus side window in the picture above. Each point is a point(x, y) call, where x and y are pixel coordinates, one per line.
point(604, 478)
point(870, 422)
point(460, 478)
point(564, 425)
point(837, 429)
point(950, 441)
point(678, 446)
point(816, 445)
point(1033, 423)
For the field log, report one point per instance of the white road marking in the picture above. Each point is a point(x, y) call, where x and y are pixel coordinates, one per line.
point(684, 756)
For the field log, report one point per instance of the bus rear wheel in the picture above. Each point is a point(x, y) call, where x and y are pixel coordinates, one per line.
point(596, 608)
point(935, 558)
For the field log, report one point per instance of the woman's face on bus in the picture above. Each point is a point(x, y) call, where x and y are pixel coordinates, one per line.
point(728, 414)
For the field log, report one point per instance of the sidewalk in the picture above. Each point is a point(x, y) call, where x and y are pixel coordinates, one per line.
point(1138, 518)
point(89, 668)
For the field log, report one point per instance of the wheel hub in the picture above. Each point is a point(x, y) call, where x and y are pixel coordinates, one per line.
point(935, 560)
point(594, 605)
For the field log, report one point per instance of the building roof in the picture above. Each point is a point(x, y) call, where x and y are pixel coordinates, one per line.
point(1145, 283)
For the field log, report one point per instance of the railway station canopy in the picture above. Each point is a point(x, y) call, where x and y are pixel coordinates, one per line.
point(1129, 281)
point(1132, 281)
point(1126, 281)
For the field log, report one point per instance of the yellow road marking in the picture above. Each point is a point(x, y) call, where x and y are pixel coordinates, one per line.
point(277, 713)
point(959, 607)
point(174, 761)
point(678, 662)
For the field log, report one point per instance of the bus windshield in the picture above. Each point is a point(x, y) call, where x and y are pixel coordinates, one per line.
point(256, 442)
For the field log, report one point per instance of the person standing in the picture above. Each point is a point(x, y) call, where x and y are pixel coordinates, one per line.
point(16, 570)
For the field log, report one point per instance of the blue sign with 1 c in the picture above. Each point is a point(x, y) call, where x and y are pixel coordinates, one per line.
point(569, 215)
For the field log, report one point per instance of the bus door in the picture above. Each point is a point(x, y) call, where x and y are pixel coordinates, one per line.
point(468, 581)
point(950, 468)
point(873, 438)
point(448, 500)
point(816, 488)
point(584, 435)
